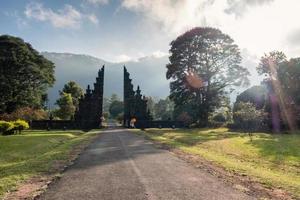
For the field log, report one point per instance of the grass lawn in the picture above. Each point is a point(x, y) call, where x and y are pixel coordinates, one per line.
point(33, 153)
point(273, 160)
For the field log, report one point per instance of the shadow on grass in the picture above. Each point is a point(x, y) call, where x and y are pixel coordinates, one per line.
point(191, 137)
point(278, 149)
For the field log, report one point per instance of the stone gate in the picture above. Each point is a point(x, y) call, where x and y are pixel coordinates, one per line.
point(90, 110)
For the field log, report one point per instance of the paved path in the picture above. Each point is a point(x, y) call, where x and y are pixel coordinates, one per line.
point(122, 165)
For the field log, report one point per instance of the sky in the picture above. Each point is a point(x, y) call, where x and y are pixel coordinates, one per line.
point(122, 30)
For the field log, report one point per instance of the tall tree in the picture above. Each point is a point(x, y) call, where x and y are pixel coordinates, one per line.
point(25, 75)
point(203, 62)
point(270, 63)
point(289, 77)
point(281, 79)
point(75, 90)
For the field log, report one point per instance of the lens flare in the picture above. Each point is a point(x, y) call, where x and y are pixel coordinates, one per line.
point(282, 100)
point(193, 80)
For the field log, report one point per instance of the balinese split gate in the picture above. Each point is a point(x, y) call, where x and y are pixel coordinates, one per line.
point(89, 114)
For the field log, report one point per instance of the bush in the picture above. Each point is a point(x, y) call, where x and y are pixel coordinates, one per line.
point(247, 117)
point(25, 113)
point(6, 128)
point(20, 125)
point(219, 118)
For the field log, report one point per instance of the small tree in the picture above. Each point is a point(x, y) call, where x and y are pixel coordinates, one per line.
point(75, 90)
point(66, 107)
point(115, 108)
point(248, 118)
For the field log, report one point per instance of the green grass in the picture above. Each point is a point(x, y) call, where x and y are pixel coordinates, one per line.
point(33, 153)
point(273, 160)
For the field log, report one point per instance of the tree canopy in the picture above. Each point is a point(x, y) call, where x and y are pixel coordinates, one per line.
point(25, 75)
point(248, 117)
point(75, 90)
point(203, 62)
point(66, 107)
point(282, 81)
point(257, 95)
point(116, 106)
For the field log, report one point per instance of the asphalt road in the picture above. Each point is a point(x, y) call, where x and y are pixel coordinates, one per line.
point(122, 165)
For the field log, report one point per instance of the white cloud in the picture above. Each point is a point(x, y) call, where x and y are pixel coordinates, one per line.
point(159, 54)
point(136, 57)
point(173, 16)
point(239, 7)
point(123, 58)
point(68, 17)
point(262, 28)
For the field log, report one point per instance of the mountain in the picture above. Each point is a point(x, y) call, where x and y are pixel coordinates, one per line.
point(148, 72)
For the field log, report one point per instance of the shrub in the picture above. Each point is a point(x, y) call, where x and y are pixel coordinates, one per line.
point(20, 125)
point(25, 113)
point(219, 117)
point(6, 128)
point(247, 117)
point(217, 120)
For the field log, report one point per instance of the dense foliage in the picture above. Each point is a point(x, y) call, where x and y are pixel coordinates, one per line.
point(25, 75)
point(278, 95)
point(257, 95)
point(282, 83)
point(75, 90)
point(160, 109)
point(247, 117)
point(6, 127)
point(25, 113)
point(11, 127)
point(203, 63)
point(66, 108)
point(116, 108)
point(20, 125)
